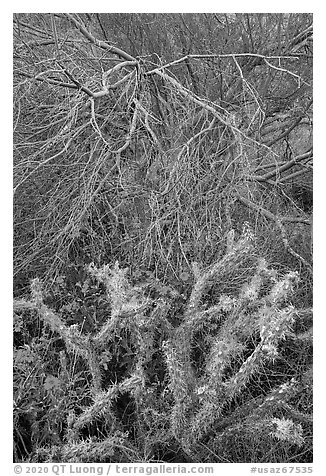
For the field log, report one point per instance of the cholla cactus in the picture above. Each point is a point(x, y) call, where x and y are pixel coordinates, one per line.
point(259, 313)
point(287, 430)
point(123, 297)
point(195, 398)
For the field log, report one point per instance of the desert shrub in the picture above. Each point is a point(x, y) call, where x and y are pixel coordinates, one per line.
point(149, 162)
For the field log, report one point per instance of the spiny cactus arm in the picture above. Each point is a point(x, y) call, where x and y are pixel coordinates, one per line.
point(247, 370)
point(250, 291)
point(239, 318)
point(276, 428)
point(114, 279)
point(75, 342)
point(205, 279)
point(217, 395)
point(248, 415)
point(126, 301)
point(134, 383)
point(282, 288)
point(297, 415)
point(222, 352)
point(102, 406)
point(179, 383)
point(275, 324)
point(266, 349)
point(22, 304)
point(240, 413)
point(69, 334)
point(179, 420)
point(123, 297)
point(91, 450)
point(107, 331)
point(264, 406)
point(228, 344)
point(201, 422)
point(278, 397)
point(94, 367)
point(198, 320)
point(221, 355)
point(103, 401)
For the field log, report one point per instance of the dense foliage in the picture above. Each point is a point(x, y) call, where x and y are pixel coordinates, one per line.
point(162, 237)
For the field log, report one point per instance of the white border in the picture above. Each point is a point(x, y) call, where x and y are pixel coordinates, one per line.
point(319, 192)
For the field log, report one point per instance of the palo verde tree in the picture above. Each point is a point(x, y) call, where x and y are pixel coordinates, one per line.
point(123, 138)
